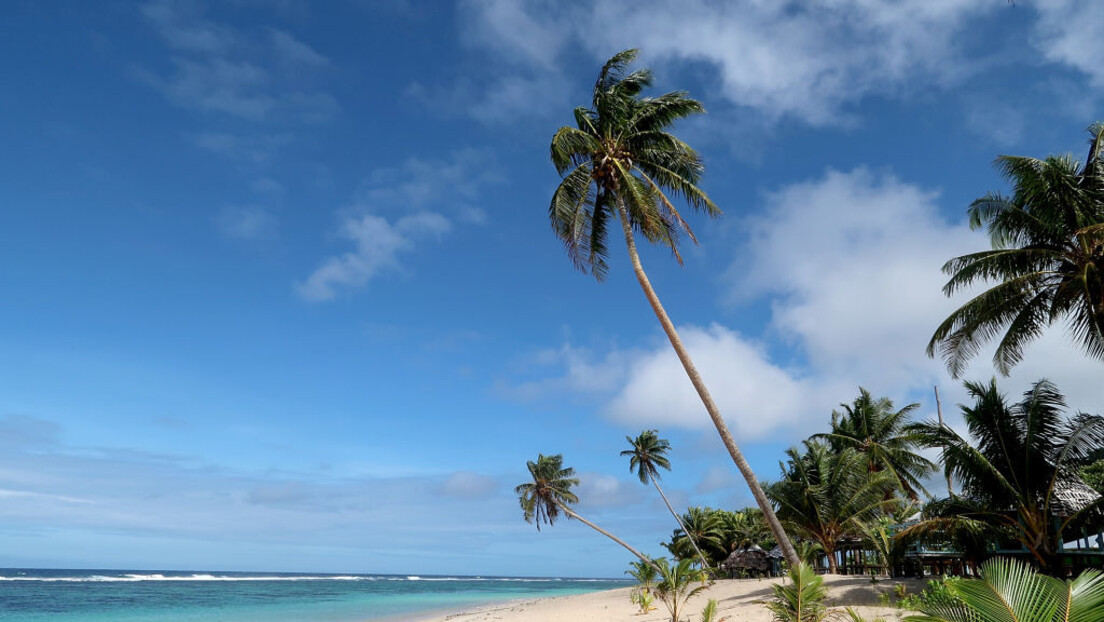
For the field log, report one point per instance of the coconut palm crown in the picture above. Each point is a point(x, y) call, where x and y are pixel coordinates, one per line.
point(619, 163)
point(1047, 261)
point(882, 434)
point(648, 454)
point(550, 491)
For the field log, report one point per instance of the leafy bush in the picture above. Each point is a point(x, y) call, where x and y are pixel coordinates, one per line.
point(801, 599)
point(938, 593)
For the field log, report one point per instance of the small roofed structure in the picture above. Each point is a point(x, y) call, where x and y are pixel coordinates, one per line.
point(748, 561)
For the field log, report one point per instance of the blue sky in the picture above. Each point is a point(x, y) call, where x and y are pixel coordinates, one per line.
point(280, 291)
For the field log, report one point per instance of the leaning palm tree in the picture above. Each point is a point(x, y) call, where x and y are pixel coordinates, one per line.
point(825, 495)
point(618, 165)
point(882, 434)
point(647, 456)
point(549, 495)
point(1047, 261)
point(1018, 477)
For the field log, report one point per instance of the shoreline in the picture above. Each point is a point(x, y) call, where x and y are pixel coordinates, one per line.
point(737, 599)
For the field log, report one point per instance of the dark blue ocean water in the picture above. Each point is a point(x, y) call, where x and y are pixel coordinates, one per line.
point(28, 595)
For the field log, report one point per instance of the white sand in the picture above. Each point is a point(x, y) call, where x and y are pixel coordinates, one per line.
point(738, 600)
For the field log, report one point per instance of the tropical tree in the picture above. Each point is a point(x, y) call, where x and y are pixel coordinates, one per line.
point(1010, 591)
point(801, 599)
point(700, 527)
point(647, 455)
point(1047, 261)
point(744, 528)
point(678, 582)
point(1014, 473)
point(618, 165)
point(549, 495)
point(645, 575)
point(825, 495)
point(1093, 475)
point(882, 434)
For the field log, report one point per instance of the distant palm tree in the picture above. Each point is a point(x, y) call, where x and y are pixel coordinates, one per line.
point(873, 428)
point(825, 495)
point(1021, 456)
point(1047, 261)
point(617, 164)
point(700, 527)
point(647, 456)
point(549, 495)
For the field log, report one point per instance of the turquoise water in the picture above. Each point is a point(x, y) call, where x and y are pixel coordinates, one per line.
point(28, 595)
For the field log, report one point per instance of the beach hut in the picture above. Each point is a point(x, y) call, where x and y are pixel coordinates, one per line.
point(748, 561)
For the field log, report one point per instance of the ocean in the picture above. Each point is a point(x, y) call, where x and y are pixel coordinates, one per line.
point(31, 595)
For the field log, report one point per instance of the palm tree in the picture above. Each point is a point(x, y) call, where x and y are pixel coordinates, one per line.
point(678, 583)
point(1047, 261)
point(618, 164)
point(1010, 591)
point(647, 456)
point(700, 527)
point(1013, 475)
point(873, 428)
point(549, 495)
point(825, 495)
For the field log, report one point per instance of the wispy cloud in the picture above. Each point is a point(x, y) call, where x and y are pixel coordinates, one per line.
point(216, 68)
point(394, 210)
point(246, 222)
point(811, 61)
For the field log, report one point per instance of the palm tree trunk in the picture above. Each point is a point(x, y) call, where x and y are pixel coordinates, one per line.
point(706, 398)
point(571, 513)
point(678, 519)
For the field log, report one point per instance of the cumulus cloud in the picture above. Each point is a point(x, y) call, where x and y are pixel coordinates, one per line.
point(806, 60)
point(1068, 32)
point(810, 61)
point(851, 264)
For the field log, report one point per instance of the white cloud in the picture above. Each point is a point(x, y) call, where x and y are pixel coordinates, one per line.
point(806, 60)
point(219, 69)
point(246, 222)
point(378, 245)
point(1068, 32)
point(811, 61)
point(429, 196)
point(852, 265)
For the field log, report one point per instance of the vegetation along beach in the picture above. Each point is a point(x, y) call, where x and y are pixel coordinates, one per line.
point(510, 310)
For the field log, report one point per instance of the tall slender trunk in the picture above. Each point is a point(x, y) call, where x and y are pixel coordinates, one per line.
point(706, 398)
point(678, 519)
point(571, 513)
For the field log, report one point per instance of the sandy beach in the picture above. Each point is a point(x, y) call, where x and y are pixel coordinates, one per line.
point(737, 599)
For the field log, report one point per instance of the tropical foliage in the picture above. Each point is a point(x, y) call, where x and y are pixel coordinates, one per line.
point(645, 575)
point(1011, 591)
point(1014, 469)
point(824, 495)
point(647, 455)
point(1047, 261)
point(882, 434)
point(619, 164)
point(1093, 475)
point(678, 582)
point(801, 599)
point(719, 532)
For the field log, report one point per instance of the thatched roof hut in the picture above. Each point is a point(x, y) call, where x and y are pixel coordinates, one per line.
point(751, 558)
